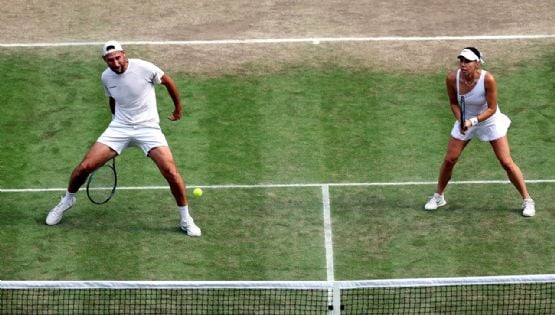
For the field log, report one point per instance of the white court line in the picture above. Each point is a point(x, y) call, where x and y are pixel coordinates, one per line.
point(290, 40)
point(239, 186)
point(327, 233)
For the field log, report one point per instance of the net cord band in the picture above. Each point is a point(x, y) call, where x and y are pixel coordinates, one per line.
point(416, 282)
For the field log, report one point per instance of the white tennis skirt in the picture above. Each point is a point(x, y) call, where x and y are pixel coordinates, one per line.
point(491, 129)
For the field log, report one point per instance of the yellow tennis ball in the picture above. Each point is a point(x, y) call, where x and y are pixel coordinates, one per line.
point(197, 192)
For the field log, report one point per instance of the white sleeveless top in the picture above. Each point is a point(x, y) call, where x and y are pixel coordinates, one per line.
point(490, 129)
point(475, 99)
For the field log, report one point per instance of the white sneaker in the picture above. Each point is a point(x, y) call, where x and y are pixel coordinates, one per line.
point(55, 215)
point(189, 227)
point(435, 202)
point(528, 208)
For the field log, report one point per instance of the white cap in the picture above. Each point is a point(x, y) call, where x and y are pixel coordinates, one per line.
point(110, 47)
point(468, 54)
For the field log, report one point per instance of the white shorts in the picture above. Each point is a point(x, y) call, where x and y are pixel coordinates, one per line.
point(118, 137)
point(491, 129)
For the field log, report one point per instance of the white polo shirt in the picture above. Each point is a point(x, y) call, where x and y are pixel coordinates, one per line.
point(134, 92)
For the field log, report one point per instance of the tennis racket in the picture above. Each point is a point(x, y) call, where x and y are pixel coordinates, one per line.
point(463, 110)
point(102, 183)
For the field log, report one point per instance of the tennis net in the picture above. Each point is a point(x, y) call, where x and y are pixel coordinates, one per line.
point(530, 294)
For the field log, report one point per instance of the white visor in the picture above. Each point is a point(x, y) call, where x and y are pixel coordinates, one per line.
point(470, 55)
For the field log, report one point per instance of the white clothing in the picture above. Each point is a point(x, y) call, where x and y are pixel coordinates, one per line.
point(476, 103)
point(475, 100)
point(134, 93)
point(120, 136)
point(136, 121)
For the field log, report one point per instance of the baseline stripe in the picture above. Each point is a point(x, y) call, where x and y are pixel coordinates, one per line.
point(290, 40)
point(232, 186)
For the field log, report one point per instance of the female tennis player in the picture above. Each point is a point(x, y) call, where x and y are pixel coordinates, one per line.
point(129, 85)
point(483, 120)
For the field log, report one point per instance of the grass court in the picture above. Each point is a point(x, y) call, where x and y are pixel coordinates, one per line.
point(242, 136)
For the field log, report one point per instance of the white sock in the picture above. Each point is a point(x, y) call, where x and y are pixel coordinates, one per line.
point(184, 212)
point(69, 195)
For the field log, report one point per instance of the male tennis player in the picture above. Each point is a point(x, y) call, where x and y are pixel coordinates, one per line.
point(483, 120)
point(130, 87)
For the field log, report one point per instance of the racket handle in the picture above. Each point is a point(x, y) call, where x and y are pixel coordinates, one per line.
point(462, 107)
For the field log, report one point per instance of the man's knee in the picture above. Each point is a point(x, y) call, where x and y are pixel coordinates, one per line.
point(450, 161)
point(171, 174)
point(85, 167)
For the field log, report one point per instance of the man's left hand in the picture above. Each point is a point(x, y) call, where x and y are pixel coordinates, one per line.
point(175, 115)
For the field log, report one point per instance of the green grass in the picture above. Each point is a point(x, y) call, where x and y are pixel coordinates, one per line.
point(479, 232)
point(135, 238)
point(298, 125)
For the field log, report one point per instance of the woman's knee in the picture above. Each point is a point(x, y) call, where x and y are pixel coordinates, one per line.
point(508, 165)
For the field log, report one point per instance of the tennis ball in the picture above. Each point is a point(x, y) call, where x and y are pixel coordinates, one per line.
point(197, 192)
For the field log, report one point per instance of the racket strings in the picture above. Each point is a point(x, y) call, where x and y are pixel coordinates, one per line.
point(101, 185)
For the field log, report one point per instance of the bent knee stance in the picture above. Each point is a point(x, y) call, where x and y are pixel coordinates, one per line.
point(508, 165)
point(450, 161)
point(84, 168)
point(172, 175)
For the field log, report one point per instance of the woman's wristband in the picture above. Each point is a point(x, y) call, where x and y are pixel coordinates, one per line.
point(474, 120)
